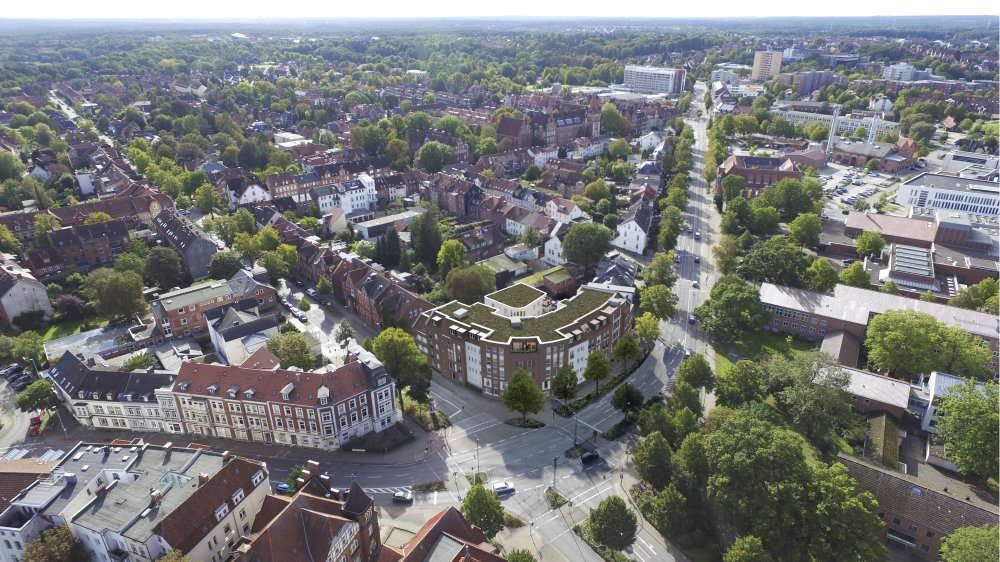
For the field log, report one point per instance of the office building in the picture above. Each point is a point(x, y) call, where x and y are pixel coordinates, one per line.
point(937, 191)
point(655, 80)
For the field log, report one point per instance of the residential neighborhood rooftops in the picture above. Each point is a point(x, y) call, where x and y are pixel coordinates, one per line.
point(545, 327)
point(517, 295)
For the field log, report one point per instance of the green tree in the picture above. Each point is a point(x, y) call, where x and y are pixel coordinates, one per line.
point(598, 367)
point(777, 260)
point(520, 555)
point(696, 371)
point(402, 360)
point(627, 399)
point(292, 350)
point(841, 523)
point(38, 396)
point(612, 121)
point(727, 254)
point(344, 332)
point(97, 217)
point(275, 264)
point(482, 508)
point(928, 296)
point(686, 396)
point(141, 362)
point(564, 384)
point(971, 544)
point(452, 255)
point(660, 270)
point(805, 229)
point(597, 190)
point(892, 347)
point(223, 265)
point(115, 294)
point(668, 510)
point(30, 345)
point(398, 151)
point(981, 296)
point(659, 301)
point(890, 287)
point(8, 242)
point(433, 156)
point(815, 391)
point(855, 275)
point(426, 236)
point(247, 246)
point(869, 243)
point(733, 308)
point(174, 556)
point(741, 384)
point(586, 243)
point(626, 349)
point(56, 544)
point(967, 421)
point(522, 395)
point(733, 186)
point(747, 548)
point(821, 276)
point(163, 268)
point(44, 223)
point(304, 305)
point(652, 460)
point(470, 284)
point(11, 167)
point(207, 199)
point(619, 149)
point(130, 262)
point(647, 328)
point(612, 523)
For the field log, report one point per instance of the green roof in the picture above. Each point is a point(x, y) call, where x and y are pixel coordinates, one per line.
point(536, 279)
point(883, 437)
point(544, 327)
point(517, 295)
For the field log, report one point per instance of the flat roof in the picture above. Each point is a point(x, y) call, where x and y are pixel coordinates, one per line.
point(517, 295)
point(544, 327)
point(955, 183)
point(877, 387)
point(194, 294)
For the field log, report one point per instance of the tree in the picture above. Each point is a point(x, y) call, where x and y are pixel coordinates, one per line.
point(890, 287)
point(38, 396)
point(398, 151)
point(855, 275)
point(56, 544)
point(11, 167)
point(522, 395)
point(626, 349)
point(292, 350)
point(389, 249)
point(928, 296)
point(275, 264)
point(841, 522)
point(733, 307)
point(402, 360)
point(482, 508)
point(971, 544)
point(426, 236)
point(647, 328)
point(696, 371)
point(520, 555)
point(324, 286)
point(747, 548)
point(163, 268)
point(564, 385)
point(304, 305)
point(968, 422)
point(741, 384)
point(668, 510)
point(115, 294)
point(777, 260)
point(530, 237)
point(586, 243)
point(130, 262)
point(224, 265)
point(815, 391)
point(44, 223)
point(207, 199)
point(821, 276)
point(247, 246)
point(8, 242)
point(981, 296)
point(652, 460)
point(805, 229)
point(727, 254)
point(70, 306)
point(174, 556)
point(659, 301)
point(470, 284)
point(686, 396)
point(627, 399)
point(612, 523)
point(660, 270)
point(619, 149)
point(612, 121)
point(434, 155)
point(733, 186)
point(344, 332)
point(598, 367)
point(140, 362)
point(452, 255)
point(869, 243)
point(892, 347)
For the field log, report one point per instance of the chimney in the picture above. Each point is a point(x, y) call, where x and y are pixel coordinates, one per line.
point(101, 490)
point(325, 479)
point(202, 478)
point(155, 497)
point(306, 474)
point(169, 446)
point(299, 482)
point(313, 467)
point(226, 456)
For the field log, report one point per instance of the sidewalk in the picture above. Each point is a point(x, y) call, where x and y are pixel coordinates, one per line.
point(422, 446)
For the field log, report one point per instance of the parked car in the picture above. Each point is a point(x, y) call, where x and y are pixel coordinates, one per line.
point(697, 235)
point(402, 497)
point(298, 282)
point(503, 488)
point(312, 293)
point(847, 262)
point(282, 488)
point(590, 457)
point(19, 386)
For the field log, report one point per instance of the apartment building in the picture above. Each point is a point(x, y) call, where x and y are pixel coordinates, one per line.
point(655, 79)
point(937, 191)
point(807, 82)
point(21, 293)
point(633, 230)
point(133, 501)
point(137, 209)
point(181, 313)
point(193, 245)
point(766, 65)
point(90, 246)
point(484, 343)
point(305, 409)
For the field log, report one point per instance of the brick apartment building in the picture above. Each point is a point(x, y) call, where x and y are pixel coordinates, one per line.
point(484, 343)
point(89, 246)
point(760, 172)
point(135, 209)
point(181, 313)
point(304, 409)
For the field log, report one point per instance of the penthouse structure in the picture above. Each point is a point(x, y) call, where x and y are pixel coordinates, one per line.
point(937, 191)
point(655, 79)
point(518, 327)
point(305, 409)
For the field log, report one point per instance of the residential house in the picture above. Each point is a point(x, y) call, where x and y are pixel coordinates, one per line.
point(193, 245)
point(237, 334)
point(90, 246)
point(416, 139)
point(563, 210)
point(449, 536)
point(633, 229)
point(481, 242)
point(21, 293)
point(516, 131)
point(181, 313)
point(553, 245)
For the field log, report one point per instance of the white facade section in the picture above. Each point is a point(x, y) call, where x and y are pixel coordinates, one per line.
point(473, 365)
point(655, 79)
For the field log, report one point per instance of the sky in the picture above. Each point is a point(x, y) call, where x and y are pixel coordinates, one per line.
point(229, 9)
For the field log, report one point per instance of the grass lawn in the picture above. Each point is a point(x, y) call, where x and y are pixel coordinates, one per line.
point(71, 327)
point(755, 344)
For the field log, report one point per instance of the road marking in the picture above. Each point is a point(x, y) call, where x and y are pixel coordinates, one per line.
point(435, 498)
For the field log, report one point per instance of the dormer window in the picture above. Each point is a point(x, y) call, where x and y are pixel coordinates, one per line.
point(212, 388)
point(286, 392)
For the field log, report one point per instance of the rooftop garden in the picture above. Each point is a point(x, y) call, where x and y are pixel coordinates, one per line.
point(544, 327)
point(517, 295)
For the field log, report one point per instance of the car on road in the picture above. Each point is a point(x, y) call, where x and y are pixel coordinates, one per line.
point(695, 284)
point(847, 262)
point(19, 386)
point(691, 319)
point(503, 488)
point(697, 235)
point(282, 488)
point(590, 457)
point(697, 259)
point(298, 282)
point(402, 497)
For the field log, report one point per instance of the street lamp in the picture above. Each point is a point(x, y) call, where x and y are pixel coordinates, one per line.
point(477, 459)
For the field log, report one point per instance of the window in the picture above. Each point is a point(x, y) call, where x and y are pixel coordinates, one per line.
point(913, 527)
point(931, 534)
point(238, 496)
point(221, 512)
point(243, 513)
point(925, 548)
point(228, 528)
point(896, 521)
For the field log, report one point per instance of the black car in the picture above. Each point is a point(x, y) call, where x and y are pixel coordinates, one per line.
point(590, 457)
point(23, 378)
point(298, 282)
point(19, 386)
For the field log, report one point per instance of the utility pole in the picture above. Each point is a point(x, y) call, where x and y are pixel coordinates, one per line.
point(554, 461)
point(477, 460)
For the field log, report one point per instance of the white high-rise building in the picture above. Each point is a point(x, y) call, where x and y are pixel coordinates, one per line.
point(655, 79)
point(766, 65)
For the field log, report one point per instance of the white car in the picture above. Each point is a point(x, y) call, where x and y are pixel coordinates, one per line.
point(503, 488)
